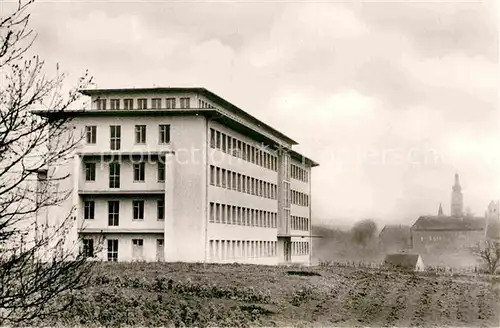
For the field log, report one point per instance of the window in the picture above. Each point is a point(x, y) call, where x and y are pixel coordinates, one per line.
point(156, 103)
point(160, 206)
point(164, 130)
point(128, 103)
point(244, 151)
point(234, 181)
point(223, 178)
point(101, 104)
point(212, 138)
point(113, 250)
point(185, 103)
point(89, 171)
point(229, 214)
point(137, 247)
point(138, 207)
point(161, 172)
point(115, 136)
point(224, 149)
point(140, 134)
point(217, 177)
point(88, 209)
point(88, 247)
point(234, 148)
point(142, 103)
point(113, 213)
point(91, 134)
point(229, 145)
point(160, 254)
point(212, 175)
point(217, 139)
point(114, 175)
point(212, 212)
point(115, 104)
point(170, 103)
point(139, 172)
point(223, 214)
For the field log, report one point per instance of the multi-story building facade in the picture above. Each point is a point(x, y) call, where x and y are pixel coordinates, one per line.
point(180, 174)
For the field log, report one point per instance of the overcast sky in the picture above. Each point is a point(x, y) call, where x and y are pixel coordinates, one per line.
point(390, 98)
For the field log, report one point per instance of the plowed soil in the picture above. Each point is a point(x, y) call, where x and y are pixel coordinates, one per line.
point(157, 294)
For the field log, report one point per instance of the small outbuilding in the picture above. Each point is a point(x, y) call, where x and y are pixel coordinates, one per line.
point(404, 261)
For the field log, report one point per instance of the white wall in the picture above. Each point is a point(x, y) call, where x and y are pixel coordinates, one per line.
point(186, 219)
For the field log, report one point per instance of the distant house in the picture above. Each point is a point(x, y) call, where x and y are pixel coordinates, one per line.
point(403, 261)
point(431, 233)
point(395, 238)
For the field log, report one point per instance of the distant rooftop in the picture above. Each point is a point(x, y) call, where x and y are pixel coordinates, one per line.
point(402, 260)
point(449, 223)
point(395, 231)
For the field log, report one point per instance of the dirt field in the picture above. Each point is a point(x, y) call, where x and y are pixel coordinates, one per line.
point(156, 294)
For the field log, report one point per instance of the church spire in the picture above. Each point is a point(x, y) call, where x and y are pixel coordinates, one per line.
point(456, 198)
point(456, 186)
point(440, 211)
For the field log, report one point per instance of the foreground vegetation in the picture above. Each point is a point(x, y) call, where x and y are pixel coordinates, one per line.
point(160, 294)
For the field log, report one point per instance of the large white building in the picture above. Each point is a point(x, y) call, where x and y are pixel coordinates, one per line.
point(180, 174)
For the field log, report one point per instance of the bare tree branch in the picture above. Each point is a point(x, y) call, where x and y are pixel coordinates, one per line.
point(489, 253)
point(39, 264)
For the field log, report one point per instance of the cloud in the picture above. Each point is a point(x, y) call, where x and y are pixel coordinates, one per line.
point(440, 27)
point(473, 75)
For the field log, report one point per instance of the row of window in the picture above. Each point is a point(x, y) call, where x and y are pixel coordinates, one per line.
point(112, 249)
point(229, 214)
point(240, 249)
point(300, 247)
point(299, 173)
point(446, 238)
point(139, 173)
point(299, 198)
point(240, 149)
point(231, 180)
point(114, 210)
point(204, 104)
point(115, 133)
point(142, 103)
point(299, 223)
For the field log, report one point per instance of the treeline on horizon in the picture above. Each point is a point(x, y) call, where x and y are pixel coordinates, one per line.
point(361, 243)
point(358, 243)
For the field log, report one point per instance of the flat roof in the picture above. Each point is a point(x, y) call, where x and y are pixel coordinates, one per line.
point(303, 159)
point(205, 92)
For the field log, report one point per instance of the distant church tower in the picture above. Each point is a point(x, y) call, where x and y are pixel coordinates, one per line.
point(440, 211)
point(456, 199)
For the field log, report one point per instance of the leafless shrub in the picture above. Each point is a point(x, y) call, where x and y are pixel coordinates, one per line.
point(489, 253)
point(38, 262)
